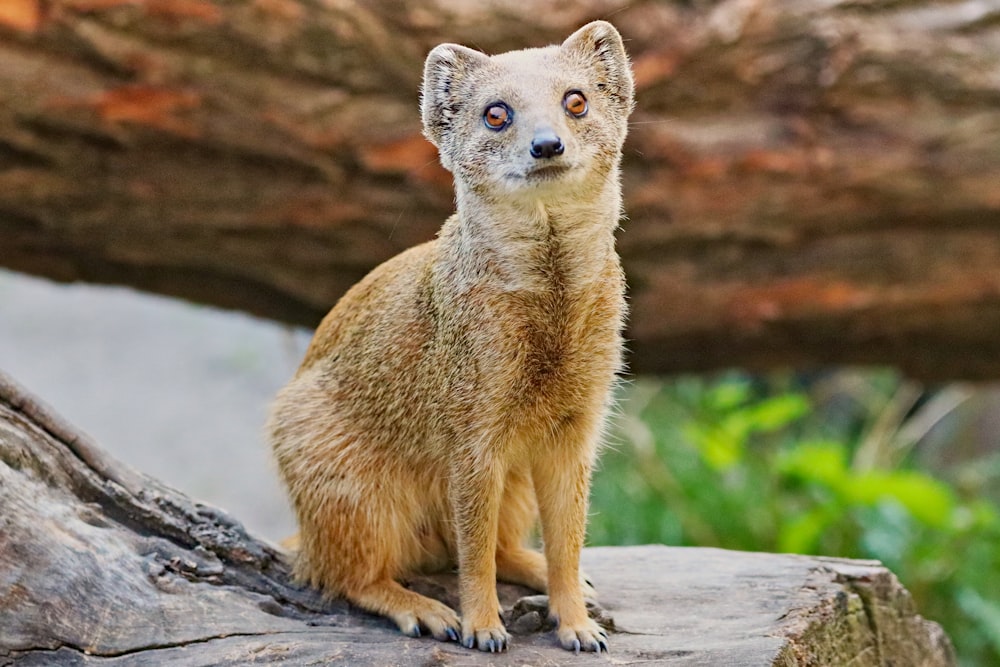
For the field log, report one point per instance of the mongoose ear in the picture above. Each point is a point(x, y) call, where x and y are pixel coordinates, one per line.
point(441, 93)
point(599, 45)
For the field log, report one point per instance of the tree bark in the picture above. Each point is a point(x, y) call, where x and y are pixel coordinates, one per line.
point(806, 182)
point(101, 565)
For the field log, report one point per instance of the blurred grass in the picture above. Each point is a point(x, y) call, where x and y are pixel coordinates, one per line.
point(827, 465)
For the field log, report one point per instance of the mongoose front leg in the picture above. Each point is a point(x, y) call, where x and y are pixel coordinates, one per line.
point(562, 487)
point(475, 490)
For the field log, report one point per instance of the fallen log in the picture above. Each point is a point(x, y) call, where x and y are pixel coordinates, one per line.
point(806, 182)
point(102, 565)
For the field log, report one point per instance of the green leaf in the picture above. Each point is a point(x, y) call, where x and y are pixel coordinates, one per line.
point(823, 463)
point(802, 534)
point(778, 412)
point(729, 395)
point(927, 499)
point(719, 448)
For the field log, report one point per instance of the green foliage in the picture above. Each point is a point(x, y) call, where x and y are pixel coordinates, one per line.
point(766, 466)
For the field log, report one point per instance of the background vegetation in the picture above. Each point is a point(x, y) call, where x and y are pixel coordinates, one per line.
point(840, 465)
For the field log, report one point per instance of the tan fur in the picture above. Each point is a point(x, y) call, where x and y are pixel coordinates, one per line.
point(460, 390)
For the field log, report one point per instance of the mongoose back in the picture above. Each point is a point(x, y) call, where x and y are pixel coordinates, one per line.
point(458, 393)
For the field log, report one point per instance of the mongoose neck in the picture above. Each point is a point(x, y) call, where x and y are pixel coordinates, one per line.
point(532, 243)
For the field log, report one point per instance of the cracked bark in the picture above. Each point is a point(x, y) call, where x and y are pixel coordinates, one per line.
point(807, 183)
point(103, 565)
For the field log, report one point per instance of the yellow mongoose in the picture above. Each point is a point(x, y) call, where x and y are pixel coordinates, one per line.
point(460, 390)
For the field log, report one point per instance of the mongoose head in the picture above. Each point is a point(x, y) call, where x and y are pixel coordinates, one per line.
point(530, 122)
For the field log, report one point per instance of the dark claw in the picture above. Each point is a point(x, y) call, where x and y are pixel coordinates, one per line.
point(603, 646)
point(595, 646)
point(576, 646)
point(414, 631)
point(587, 581)
point(492, 646)
point(452, 635)
point(470, 642)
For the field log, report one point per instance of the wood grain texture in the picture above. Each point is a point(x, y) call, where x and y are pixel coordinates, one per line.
point(807, 183)
point(102, 565)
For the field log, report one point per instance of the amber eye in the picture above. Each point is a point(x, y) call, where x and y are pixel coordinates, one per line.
point(575, 104)
point(498, 116)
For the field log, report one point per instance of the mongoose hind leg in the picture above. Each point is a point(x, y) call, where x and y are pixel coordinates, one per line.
point(357, 543)
point(411, 611)
point(520, 565)
point(516, 563)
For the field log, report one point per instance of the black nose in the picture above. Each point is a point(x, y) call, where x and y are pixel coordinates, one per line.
point(546, 144)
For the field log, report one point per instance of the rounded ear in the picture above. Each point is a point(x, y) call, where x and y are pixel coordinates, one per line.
point(599, 46)
point(440, 95)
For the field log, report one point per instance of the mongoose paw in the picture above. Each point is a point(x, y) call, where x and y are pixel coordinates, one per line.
point(493, 639)
point(438, 619)
point(588, 636)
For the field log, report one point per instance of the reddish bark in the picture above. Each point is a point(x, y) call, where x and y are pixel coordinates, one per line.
point(806, 183)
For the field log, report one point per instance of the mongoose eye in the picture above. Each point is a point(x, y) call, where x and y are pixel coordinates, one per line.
point(498, 116)
point(575, 104)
